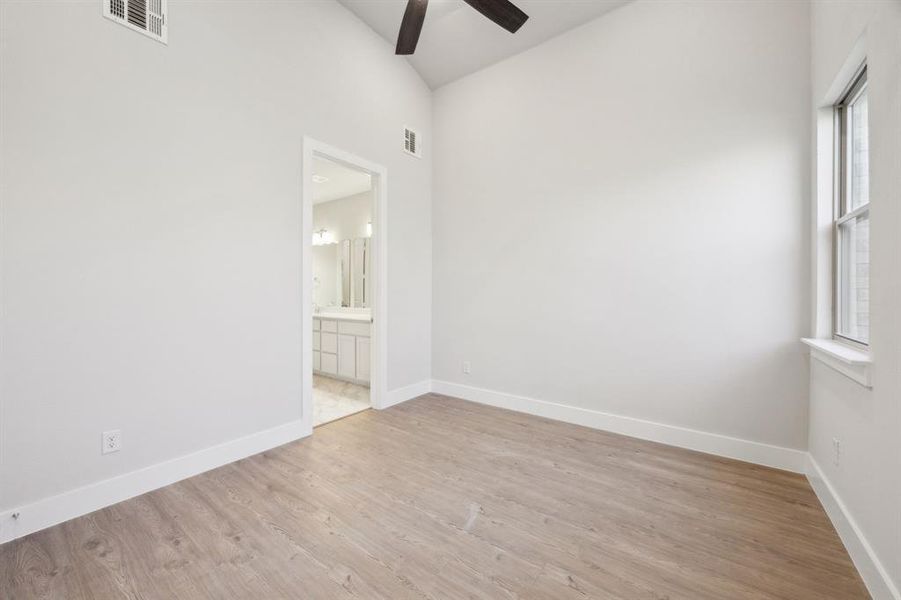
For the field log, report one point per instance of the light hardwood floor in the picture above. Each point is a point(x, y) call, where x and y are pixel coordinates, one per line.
point(441, 498)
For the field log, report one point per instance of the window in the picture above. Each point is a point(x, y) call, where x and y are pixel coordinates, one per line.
point(852, 215)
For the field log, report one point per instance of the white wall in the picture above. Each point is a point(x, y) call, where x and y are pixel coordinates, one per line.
point(867, 423)
point(619, 218)
point(151, 224)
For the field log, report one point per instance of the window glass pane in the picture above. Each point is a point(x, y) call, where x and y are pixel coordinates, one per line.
point(859, 167)
point(854, 278)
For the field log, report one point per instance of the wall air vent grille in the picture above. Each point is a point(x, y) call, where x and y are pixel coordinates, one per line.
point(144, 16)
point(412, 143)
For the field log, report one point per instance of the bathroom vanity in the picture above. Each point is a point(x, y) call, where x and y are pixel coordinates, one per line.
point(341, 345)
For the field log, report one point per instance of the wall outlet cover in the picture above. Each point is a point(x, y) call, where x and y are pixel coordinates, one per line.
point(112, 441)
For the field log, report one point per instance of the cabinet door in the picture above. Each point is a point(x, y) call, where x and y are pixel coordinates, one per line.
point(347, 356)
point(316, 361)
point(328, 342)
point(363, 358)
point(316, 338)
point(329, 363)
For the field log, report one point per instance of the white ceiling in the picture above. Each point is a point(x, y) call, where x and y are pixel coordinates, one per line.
point(456, 40)
point(342, 181)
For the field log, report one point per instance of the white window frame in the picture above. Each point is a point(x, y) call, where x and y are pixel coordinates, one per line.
point(842, 214)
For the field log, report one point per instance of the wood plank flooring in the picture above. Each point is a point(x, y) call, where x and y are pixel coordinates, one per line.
point(441, 498)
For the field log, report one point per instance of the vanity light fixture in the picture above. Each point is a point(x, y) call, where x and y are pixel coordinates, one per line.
point(319, 178)
point(323, 237)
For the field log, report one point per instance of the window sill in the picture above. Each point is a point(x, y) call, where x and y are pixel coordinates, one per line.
point(848, 361)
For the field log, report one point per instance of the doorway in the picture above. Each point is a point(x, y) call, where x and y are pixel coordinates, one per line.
point(344, 299)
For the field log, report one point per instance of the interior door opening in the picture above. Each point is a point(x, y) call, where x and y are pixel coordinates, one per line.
point(342, 282)
point(344, 298)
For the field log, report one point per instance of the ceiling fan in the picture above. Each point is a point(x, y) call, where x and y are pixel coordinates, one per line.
point(502, 12)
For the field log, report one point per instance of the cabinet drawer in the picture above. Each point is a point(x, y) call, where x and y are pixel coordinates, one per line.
point(316, 361)
point(329, 363)
point(329, 326)
point(316, 337)
point(329, 342)
point(315, 324)
point(353, 328)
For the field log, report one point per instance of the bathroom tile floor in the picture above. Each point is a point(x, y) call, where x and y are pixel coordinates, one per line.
point(334, 399)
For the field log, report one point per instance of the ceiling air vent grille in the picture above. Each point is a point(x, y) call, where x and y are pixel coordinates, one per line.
point(145, 16)
point(412, 143)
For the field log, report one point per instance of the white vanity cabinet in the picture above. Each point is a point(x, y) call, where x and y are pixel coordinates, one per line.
point(341, 348)
point(347, 356)
point(362, 350)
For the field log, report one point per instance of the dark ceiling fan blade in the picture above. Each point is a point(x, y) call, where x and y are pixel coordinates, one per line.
point(503, 12)
point(411, 26)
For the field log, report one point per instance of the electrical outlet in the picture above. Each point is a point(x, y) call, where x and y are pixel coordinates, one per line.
point(112, 441)
point(467, 367)
point(836, 451)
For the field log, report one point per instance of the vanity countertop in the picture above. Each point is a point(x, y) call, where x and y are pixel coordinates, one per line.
point(342, 316)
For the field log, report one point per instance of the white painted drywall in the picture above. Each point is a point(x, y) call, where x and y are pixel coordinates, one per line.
point(619, 219)
point(151, 224)
point(867, 423)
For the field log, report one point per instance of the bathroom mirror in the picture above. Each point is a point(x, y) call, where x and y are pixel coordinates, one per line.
point(360, 273)
point(341, 274)
point(344, 271)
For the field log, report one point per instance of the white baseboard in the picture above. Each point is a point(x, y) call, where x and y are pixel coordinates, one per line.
point(779, 457)
point(878, 581)
point(874, 574)
point(69, 505)
point(81, 501)
point(407, 393)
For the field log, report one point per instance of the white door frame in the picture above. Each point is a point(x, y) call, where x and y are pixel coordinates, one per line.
point(378, 392)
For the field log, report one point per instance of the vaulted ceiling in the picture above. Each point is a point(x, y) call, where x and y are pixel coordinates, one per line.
point(456, 40)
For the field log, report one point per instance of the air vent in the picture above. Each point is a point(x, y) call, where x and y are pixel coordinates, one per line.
point(145, 16)
point(412, 143)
